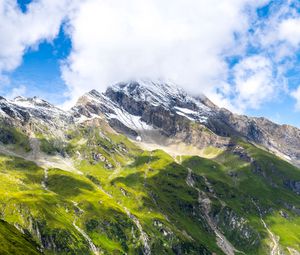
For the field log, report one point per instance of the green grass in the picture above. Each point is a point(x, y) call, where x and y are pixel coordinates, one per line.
point(14, 136)
point(237, 183)
point(13, 242)
point(52, 145)
point(153, 188)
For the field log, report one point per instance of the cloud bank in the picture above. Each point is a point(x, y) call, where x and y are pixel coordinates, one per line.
point(234, 51)
point(182, 41)
point(19, 30)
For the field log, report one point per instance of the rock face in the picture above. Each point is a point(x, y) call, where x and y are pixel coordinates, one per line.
point(160, 105)
point(34, 114)
point(155, 111)
point(145, 108)
point(278, 138)
point(293, 185)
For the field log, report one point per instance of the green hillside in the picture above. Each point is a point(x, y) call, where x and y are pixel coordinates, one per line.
point(123, 200)
point(14, 242)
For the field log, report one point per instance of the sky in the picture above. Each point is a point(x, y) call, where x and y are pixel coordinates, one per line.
point(243, 54)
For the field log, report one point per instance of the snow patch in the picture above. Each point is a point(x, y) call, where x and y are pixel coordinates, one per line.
point(129, 120)
point(157, 93)
point(185, 110)
point(184, 115)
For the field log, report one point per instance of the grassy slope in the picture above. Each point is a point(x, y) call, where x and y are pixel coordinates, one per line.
point(238, 183)
point(13, 242)
point(151, 187)
point(14, 136)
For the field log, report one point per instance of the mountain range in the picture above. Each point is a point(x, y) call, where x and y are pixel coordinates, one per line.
point(145, 168)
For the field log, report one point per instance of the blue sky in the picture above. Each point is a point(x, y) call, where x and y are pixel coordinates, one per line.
point(243, 55)
point(40, 70)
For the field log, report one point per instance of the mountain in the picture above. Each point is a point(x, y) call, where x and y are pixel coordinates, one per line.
point(145, 168)
point(135, 107)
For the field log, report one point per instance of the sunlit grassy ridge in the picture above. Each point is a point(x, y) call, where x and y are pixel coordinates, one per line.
point(122, 200)
point(12, 242)
point(14, 136)
point(238, 183)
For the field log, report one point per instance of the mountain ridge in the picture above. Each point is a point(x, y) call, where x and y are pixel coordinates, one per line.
point(147, 103)
point(219, 120)
point(173, 174)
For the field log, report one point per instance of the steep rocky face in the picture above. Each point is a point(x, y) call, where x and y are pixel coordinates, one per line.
point(159, 104)
point(135, 106)
point(175, 113)
point(281, 139)
point(145, 109)
point(34, 114)
point(148, 109)
point(92, 103)
point(284, 138)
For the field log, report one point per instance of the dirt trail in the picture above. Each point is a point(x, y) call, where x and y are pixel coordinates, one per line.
point(45, 180)
point(293, 251)
point(275, 248)
point(35, 148)
point(143, 236)
point(92, 246)
point(41, 159)
point(205, 202)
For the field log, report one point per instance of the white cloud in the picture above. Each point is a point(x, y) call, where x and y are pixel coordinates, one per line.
point(254, 82)
point(261, 77)
point(289, 30)
point(296, 95)
point(17, 91)
point(178, 40)
point(19, 31)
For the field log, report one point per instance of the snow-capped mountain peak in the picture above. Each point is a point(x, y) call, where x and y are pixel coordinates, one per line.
point(136, 107)
point(22, 111)
point(149, 94)
point(146, 108)
point(31, 102)
point(156, 93)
